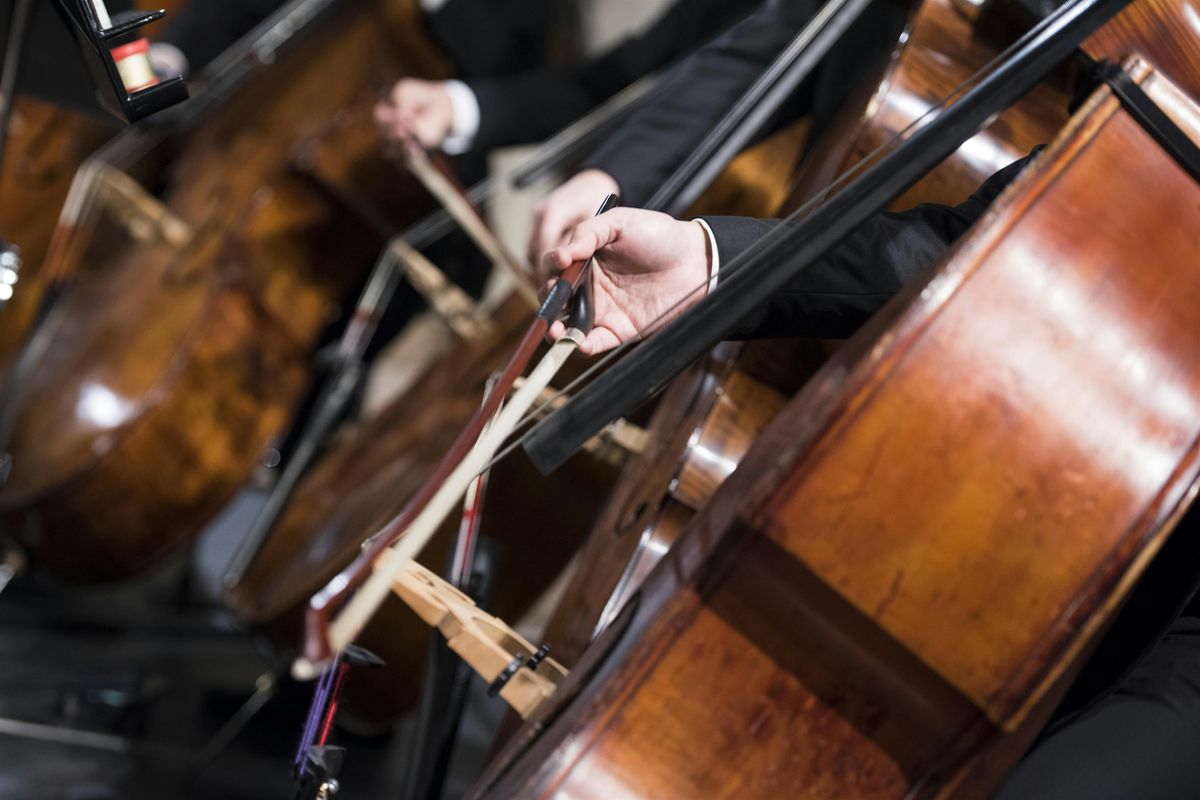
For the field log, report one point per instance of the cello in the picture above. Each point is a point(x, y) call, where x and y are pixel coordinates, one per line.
point(290, 568)
point(786, 647)
point(171, 361)
point(824, 228)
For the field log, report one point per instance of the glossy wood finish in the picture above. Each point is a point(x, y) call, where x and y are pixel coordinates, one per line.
point(900, 578)
point(1166, 30)
point(699, 431)
point(167, 372)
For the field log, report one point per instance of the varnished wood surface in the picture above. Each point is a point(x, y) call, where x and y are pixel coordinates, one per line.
point(1168, 31)
point(46, 145)
point(167, 372)
point(662, 488)
point(921, 546)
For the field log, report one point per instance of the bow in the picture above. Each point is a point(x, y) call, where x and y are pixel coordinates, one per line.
point(360, 588)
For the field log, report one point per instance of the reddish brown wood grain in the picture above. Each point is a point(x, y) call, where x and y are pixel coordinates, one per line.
point(887, 596)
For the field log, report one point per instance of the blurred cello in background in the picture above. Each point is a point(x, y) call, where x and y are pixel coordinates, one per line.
point(182, 341)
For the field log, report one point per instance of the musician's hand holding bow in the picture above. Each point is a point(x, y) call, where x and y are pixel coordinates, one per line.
point(649, 268)
point(416, 108)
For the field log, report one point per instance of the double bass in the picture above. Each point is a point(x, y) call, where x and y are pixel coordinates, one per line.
point(367, 477)
point(366, 480)
point(890, 594)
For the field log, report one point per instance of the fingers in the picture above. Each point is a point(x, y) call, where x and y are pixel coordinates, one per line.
point(585, 240)
point(567, 206)
point(554, 262)
point(600, 340)
point(549, 228)
point(415, 108)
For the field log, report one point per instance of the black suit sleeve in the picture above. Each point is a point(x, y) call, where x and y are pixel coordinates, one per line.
point(649, 148)
point(493, 37)
point(533, 105)
point(841, 291)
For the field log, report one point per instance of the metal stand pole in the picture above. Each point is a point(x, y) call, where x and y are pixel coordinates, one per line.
point(443, 699)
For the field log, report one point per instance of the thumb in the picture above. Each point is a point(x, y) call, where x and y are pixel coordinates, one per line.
point(599, 340)
point(590, 237)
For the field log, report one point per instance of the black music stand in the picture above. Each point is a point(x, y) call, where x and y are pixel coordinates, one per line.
point(59, 51)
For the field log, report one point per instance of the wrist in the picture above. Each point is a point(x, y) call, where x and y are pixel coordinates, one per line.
point(464, 117)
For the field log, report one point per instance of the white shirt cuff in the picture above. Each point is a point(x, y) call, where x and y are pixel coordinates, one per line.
point(465, 108)
point(714, 267)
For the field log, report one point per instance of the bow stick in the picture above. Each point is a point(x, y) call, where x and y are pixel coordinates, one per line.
point(439, 180)
point(361, 587)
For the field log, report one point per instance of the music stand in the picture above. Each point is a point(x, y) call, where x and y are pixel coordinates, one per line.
point(60, 51)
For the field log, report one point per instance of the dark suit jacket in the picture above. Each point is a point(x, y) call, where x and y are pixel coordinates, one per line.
point(481, 37)
point(840, 292)
point(493, 37)
point(532, 105)
point(659, 138)
point(203, 29)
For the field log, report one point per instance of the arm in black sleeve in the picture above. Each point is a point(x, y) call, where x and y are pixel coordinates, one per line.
point(659, 138)
point(532, 105)
point(838, 293)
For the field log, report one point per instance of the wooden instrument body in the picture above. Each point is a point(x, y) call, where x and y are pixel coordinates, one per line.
point(709, 417)
point(166, 369)
point(888, 596)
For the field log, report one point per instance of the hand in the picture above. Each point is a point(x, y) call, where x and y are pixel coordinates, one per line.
point(565, 207)
point(649, 269)
point(416, 108)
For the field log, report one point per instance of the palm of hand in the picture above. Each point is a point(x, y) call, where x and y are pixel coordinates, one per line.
point(648, 269)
